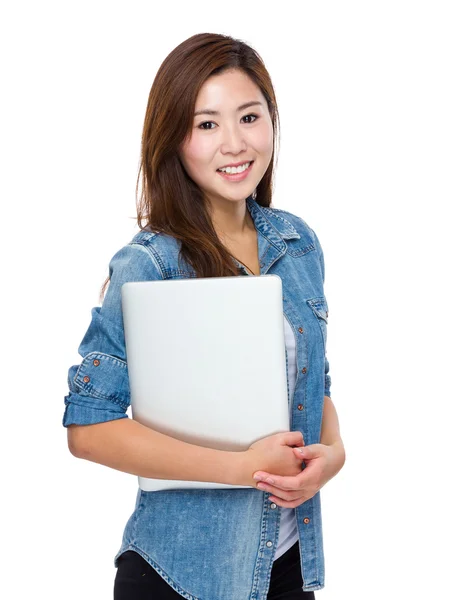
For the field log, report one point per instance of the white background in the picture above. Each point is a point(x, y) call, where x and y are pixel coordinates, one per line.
point(371, 99)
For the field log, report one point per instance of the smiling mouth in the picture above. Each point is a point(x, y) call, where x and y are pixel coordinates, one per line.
point(236, 170)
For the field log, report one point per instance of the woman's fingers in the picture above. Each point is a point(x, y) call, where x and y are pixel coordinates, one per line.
point(293, 438)
point(280, 493)
point(308, 452)
point(281, 482)
point(286, 503)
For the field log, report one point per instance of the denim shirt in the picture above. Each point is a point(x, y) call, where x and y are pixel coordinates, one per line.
point(214, 544)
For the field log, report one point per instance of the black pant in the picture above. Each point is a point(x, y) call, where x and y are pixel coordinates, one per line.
point(137, 580)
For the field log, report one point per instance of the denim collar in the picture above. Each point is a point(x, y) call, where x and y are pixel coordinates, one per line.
point(271, 225)
point(273, 229)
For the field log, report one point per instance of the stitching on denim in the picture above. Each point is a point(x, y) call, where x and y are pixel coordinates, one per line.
point(94, 390)
point(271, 212)
point(147, 245)
point(265, 254)
point(310, 231)
point(300, 251)
point(323, 321)
point(262, 537)
point(269, 227)
point(170, 272)
point(160, 572)
point(310, 509)
point(279, 509)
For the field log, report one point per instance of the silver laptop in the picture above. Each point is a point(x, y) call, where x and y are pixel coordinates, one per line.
point(206, 362)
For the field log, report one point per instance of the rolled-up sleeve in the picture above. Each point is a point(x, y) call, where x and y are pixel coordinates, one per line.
point(98, 387)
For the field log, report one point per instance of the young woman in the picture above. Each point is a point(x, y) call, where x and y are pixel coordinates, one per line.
point(208, 149)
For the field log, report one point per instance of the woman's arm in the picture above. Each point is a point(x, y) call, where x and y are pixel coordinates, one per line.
point(330, 432)
point(129, 446)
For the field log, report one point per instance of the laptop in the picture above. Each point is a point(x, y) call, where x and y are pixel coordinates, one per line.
point(206, 362)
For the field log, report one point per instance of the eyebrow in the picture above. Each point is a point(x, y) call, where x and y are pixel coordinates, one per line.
point(207, 111)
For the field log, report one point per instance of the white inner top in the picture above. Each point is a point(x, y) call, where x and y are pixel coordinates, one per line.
point(288, 532)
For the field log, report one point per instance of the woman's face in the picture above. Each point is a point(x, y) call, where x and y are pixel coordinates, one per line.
point(228, 134)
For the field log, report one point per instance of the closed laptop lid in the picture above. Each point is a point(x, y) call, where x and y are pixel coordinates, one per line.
point(206, 361)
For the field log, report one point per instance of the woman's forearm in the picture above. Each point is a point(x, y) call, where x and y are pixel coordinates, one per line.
point(330, 431)
point(330, 434)
point(129, 446)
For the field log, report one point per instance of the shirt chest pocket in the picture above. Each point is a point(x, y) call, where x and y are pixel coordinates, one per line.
point(321, 311)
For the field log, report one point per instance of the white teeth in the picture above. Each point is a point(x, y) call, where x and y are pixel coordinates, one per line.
point(239, 169)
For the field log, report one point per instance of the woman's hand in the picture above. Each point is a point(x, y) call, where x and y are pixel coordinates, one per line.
point(273, 453)
point(322, 463)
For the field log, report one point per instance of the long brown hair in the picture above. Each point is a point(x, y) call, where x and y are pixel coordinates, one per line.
point(170, 201)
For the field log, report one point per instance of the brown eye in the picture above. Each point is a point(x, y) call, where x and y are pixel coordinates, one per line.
point(254, 118)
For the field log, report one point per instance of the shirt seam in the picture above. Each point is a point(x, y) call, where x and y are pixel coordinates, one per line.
point(154, 256)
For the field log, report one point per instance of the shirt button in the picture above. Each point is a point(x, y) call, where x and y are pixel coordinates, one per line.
point(300, 329)
point(306, 520)
point(273, 505)
point(96, 362)
point(269, 544)
point(86, 379)
point(300, 407)
point(303, 370)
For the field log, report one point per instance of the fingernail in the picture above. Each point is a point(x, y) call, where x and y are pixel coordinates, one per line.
point(257, 478)
point(300, 450)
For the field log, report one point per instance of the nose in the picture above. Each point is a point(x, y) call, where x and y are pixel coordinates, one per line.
point(233, 139)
